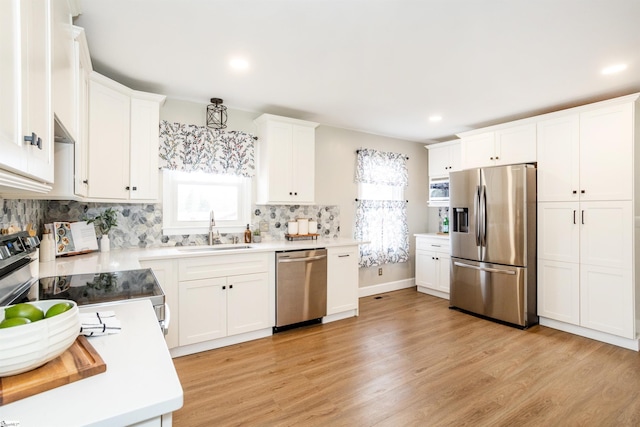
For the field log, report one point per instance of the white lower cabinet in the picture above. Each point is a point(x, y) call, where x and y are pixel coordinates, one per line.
point(223, 296)
point(585, 265)
point(432, 265)
point(342, 280)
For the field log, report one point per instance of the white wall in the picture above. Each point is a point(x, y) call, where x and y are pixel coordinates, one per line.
point(335, 171)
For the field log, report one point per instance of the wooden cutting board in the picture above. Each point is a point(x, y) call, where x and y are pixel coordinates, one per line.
point(79, 361)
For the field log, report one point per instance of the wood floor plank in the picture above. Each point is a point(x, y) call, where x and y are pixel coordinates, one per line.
point(408, 360)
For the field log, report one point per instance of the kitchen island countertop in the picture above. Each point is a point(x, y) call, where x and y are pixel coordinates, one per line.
point(140, 382)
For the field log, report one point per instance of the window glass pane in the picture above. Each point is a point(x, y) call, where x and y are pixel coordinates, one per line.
point(379, 192)
point(195, 201)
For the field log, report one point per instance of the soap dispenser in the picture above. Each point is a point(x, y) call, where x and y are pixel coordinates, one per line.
point(247, 235)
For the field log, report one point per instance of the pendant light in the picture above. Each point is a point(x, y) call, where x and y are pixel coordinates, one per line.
point(216, 114)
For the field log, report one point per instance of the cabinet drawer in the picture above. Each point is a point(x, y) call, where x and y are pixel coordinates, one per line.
point(222, 265)
point(432, 244)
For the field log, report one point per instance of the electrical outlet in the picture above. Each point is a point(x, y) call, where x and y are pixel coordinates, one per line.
point(380, 271)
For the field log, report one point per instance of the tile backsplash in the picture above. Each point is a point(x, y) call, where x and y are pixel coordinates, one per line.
point(140, 225)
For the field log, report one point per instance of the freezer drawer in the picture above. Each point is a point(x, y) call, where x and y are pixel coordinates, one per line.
point(494, 291)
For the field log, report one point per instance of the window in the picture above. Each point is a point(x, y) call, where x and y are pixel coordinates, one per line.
point(381, 212)
point(189, 197)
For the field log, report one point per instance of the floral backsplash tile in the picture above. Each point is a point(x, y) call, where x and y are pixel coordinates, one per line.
point(140, 225)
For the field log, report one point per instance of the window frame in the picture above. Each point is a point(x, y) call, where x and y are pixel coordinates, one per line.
point(170, 181)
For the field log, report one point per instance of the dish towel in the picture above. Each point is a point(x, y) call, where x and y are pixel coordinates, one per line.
point(99, 323)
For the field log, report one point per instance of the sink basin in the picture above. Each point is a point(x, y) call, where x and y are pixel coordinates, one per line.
point(212, 248)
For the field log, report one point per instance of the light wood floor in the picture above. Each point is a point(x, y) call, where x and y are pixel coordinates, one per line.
point(408, 360)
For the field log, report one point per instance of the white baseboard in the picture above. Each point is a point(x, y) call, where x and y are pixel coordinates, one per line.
point(590, 333)
point(386, 287)
point(221, 342)
point(340, 316)
point(433, 292)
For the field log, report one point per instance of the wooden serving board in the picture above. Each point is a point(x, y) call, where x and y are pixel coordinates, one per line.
point(79, 361)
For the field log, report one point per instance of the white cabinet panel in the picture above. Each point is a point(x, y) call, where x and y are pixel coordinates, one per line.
point(444, 158)
point(606, 237)
point(515, 145)
point(246, 303)
point(606, 300)
point(203, 310)
point(478, 150)
point(342, 279)
point(144, 174)
point(559, 291)
point(433, 266)
point(559, 231)
point(606, 152)
point(558, 145)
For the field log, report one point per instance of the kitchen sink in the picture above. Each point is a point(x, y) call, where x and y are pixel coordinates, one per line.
point(212, 248)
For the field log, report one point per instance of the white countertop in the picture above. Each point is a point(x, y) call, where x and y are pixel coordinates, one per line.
point(140, 382)
point(129, 259)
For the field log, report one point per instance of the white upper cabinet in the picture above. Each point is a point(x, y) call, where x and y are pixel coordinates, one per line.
point(581, 155)
point(123, 142)
point(508, 146)
point(26, 119)
point(443, 158)
point(286, 160)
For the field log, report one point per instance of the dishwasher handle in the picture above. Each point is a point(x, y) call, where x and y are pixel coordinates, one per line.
point(310, 258)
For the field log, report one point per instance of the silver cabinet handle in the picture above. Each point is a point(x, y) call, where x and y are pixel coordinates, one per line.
point(311, 258)
point(488, 269)
point(574, 216)
point(343, 256)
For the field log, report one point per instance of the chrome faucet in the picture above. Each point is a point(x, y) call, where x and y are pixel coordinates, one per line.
point(213, 240)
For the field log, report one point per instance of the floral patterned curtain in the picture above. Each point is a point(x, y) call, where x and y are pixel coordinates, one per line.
point(382, 222)
point(192, 148)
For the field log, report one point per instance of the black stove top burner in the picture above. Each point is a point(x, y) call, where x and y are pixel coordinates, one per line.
point(100, 288)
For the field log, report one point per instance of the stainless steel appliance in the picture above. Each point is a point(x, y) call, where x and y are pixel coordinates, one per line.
point(301, 287)
point(439, 191)
point(493, 243)
point(18, 283)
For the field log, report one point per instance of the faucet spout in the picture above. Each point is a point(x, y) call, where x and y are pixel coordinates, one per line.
point(212, 223)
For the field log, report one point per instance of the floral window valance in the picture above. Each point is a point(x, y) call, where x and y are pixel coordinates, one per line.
point(380, 167)
point(191, 148)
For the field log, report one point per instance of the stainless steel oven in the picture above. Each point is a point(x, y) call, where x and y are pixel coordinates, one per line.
point(19, 282)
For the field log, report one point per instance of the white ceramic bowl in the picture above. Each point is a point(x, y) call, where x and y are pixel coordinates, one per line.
point(26, 347)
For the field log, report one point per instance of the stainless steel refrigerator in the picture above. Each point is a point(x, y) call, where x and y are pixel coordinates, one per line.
point(493, 243)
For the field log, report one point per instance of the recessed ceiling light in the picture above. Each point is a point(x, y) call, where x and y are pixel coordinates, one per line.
point(435, 118)
point(239, 64)
point(612, 69)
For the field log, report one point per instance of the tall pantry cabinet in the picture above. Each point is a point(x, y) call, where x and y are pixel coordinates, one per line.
point(587, 214)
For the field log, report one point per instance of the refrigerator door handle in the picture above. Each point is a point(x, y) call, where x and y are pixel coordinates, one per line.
point(483, 213)
point(476, 204)
point(488, 269)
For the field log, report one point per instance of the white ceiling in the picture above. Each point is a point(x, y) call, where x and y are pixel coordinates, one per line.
point(379, 66)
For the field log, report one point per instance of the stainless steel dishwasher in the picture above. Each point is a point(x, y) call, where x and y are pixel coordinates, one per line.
point(301, 287)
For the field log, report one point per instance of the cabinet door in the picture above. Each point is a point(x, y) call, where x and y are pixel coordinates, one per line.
point(203, 310)
point(303, 165)
point(247, 303)
point(455, 157)
point(558, 144)
point(559, 291)
point(443, 263)
point(144, 175)
point(83, 70)
point(559, 231)
point(515, 145)
point(478, 151)
point(37, 114)
point(109, 113)
point(280, 160)
point(439, 161)
point(11, 145)
point(426, 269)
point(342, 280)
point(606, 300)
point(606, 151)
point(606, 237)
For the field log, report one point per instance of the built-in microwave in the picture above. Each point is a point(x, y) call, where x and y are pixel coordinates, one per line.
point(439, 191)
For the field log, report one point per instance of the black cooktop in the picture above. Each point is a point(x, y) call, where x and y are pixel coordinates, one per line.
point(100, 288)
